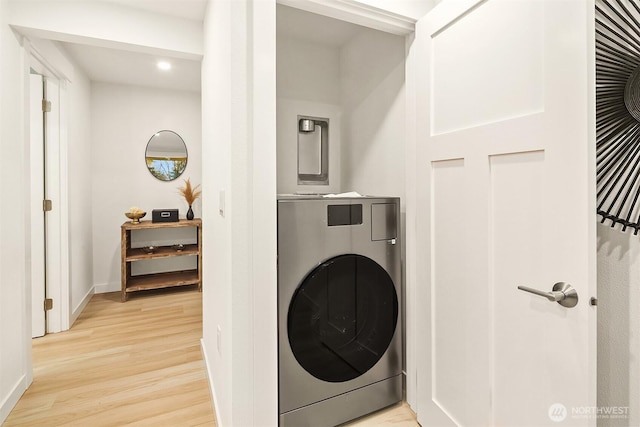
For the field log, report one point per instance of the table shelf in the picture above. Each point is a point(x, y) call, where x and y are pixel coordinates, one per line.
point(137, 254)
point(164, 279)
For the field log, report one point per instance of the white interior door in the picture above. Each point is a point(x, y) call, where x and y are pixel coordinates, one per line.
point(46, 244)
point(54, 248)
point(37, 215)
point(505, 197)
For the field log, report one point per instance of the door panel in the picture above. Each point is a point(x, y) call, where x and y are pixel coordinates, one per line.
point(517, 250)
point(53, 173)
point(36, 151)
point(507, 84)
point(505, 183)
point(458, 329)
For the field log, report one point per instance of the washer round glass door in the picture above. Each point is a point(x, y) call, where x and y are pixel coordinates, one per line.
point(342, 318)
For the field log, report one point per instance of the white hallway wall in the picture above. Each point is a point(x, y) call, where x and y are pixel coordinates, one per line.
point(76, 157)
point(15, 351)
point(238, 100)
point(217, 295)
point(123, 119)
point(79, 175)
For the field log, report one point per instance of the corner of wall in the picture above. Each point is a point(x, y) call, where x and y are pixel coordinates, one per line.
point(103, 288)
point(212, 388)
point(77, 311)
point(10, 401)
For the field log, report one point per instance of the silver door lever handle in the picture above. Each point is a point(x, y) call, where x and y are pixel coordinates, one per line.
point(554, 296)
point(562, 293)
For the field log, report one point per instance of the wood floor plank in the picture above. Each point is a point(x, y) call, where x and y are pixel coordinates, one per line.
point(399, 415)
point(135, 363)
point(138, 364)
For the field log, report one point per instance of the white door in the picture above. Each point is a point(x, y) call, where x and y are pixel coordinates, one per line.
point(36, 150)
point(505, 183)
point(45, 184)
point(52, 190)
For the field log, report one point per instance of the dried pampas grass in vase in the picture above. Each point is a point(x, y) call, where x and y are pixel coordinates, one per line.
point(190, 195)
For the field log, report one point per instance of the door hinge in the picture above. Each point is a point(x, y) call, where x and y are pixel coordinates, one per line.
point(46, 106)
point(48, 304)
point(47, 205)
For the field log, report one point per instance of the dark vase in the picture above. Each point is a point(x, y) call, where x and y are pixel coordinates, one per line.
point(190, 213)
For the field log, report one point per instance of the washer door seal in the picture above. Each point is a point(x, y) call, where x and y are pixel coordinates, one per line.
point(342, 318)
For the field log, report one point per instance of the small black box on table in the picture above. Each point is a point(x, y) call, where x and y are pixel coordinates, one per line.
point(164, 215)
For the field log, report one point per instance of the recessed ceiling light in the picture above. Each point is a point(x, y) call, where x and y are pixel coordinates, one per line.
point(164, 65)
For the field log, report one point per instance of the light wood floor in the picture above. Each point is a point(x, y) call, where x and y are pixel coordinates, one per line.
point(399, 415)
point(136, 363)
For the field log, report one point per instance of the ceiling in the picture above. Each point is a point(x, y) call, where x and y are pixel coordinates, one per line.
point(189, 9)
point(311, 27)
point(134, 68)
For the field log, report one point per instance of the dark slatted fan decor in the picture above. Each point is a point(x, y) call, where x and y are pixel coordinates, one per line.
point(618, 112)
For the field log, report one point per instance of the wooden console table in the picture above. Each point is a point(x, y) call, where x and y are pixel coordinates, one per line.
point(163, 279)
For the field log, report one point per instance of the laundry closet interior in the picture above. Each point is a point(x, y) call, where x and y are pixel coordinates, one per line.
point(353, 76)
point(340, 127)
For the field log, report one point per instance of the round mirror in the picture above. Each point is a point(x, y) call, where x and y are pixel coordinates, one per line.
point(166, 155)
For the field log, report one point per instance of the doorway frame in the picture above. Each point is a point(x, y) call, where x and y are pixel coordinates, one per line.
point(58, 318)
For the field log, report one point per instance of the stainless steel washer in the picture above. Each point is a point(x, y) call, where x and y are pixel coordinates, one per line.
point(340, 349)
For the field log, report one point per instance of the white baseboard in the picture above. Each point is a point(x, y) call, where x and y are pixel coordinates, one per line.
point(103, 288)
point(9, 402)
point(80, 307)
point(212, 389)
